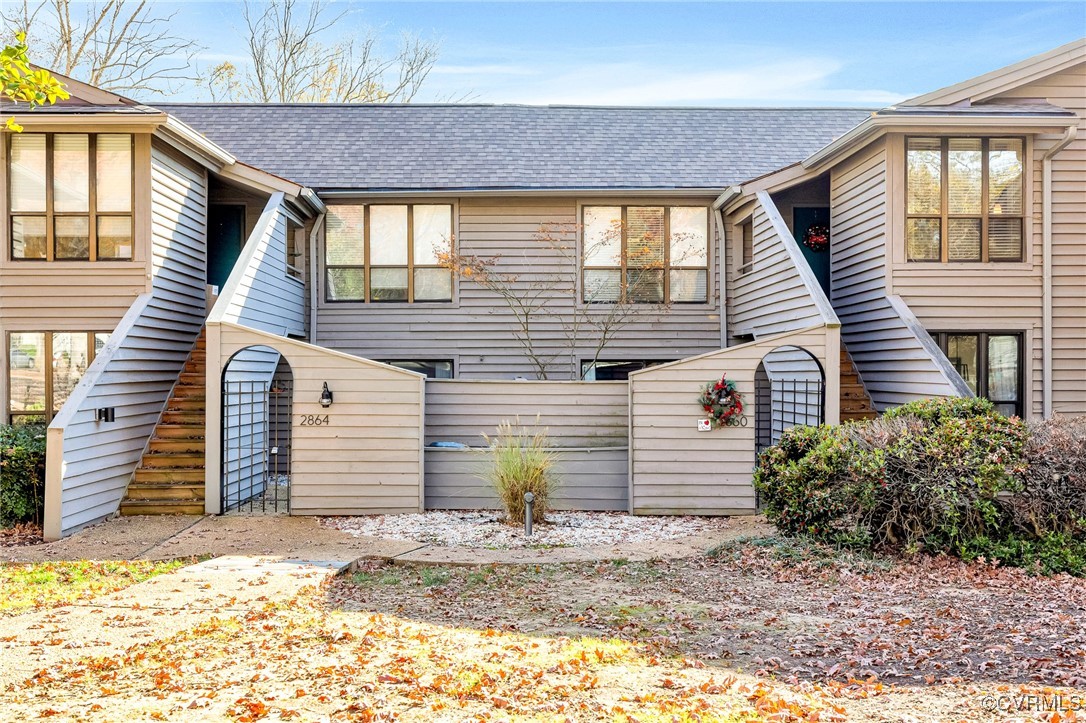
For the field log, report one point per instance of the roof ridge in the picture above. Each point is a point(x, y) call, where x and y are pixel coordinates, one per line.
point(527, 106)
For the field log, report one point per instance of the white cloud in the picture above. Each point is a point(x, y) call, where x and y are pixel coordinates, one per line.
point(788, 81)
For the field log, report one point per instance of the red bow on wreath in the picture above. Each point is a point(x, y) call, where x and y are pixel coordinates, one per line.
point(817, 238)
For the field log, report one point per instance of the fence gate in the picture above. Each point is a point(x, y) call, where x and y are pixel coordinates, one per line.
point(788, 403)
point(256, 446)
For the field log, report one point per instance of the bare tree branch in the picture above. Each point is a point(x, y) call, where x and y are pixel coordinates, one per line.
point(118, 45)
point(291, 62)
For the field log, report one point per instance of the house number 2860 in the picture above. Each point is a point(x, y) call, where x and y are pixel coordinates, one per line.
point(314, 420)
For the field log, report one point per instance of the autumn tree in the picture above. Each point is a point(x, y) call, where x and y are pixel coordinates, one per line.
point(546, 302)
point(22, 83)
point(124, 46)
point(291, 60)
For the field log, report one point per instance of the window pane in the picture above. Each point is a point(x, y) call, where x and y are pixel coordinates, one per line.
point(602, 236)
point(27, 172)
point(432, 229)
point(28, 237)
point(114, 172)
point(961, 350)
point(344, 236)
point(644, 237)
point(645, 286)
point(388, 284)
point(70, 359)
point(1005, 239)
point(346, 285)
point(26, 365)
point(602, 285)
point(114, 237)
point(689, 237)
point(71, 172)
point(748, 243)
point(1005, 176)
point(1003, 368)
point(100, 341)
point(433, 285)
point(964, 239)
point(963, 167)
point(388, 235)
point(924, 175)
point(72, 237)
point(688, 285)
point(432, 369)
point(922, 239)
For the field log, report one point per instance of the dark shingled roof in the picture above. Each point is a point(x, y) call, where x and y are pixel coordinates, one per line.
point(492, 147)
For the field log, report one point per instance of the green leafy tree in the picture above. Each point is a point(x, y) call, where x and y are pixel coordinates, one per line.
point(25, 84)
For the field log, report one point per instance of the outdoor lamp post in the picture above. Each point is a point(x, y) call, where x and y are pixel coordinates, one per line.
point(529, 500)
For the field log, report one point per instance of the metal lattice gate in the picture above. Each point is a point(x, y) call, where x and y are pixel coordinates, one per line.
point(784, 403)
point(256, 446)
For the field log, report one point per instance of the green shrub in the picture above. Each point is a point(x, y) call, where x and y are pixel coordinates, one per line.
point(928, 476)
point(22, 474)
point(521, 461)
point(1049, 554)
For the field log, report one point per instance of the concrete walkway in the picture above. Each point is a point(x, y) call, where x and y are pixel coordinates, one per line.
point(304, 538)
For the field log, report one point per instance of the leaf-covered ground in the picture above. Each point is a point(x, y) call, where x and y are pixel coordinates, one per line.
point(766, 630)
point(50, 584)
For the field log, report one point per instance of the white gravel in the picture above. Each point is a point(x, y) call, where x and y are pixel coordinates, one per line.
point(487, 530)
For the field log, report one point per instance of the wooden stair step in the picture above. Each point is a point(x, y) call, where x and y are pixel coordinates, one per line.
point(193, 492)
point(180, 417)
point(186, 404)
point(184, 461)
point(163, 475)
point(176, 446)
point(194, 430)
point(161, 507)
point(190, 379)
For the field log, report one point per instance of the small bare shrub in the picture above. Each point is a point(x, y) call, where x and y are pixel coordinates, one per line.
point(521, 461)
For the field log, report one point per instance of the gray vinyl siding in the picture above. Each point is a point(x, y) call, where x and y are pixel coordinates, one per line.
point(775, 296)
point(368, 458)
point(588, 479)
point(1067, 90)
point(677, 469)
point(894, 358)
point(476, 330)
point(137, 370)
point(586, 422)
point(260, 294)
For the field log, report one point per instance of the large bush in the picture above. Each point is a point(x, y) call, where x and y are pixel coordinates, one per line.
point(22, 473)
point(930, 475)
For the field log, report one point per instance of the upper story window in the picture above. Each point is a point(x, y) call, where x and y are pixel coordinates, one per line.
point(746, 232)
point(964, 199)
point(70, 196)
point(386, 252)
point(646, 254)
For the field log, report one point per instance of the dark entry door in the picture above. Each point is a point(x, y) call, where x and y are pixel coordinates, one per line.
point(819, 261)
point(225, 236)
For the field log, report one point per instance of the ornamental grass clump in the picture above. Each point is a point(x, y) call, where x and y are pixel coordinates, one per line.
point(521, 461)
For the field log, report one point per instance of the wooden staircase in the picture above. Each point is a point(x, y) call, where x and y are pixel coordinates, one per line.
point(855, 401)
point(170, 477)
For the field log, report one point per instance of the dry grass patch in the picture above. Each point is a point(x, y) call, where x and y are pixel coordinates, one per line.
point(43, 585)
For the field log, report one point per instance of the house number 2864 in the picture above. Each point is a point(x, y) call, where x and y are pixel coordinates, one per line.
point(314, 420)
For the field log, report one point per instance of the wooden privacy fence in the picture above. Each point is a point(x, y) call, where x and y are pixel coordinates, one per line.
point(587, 423)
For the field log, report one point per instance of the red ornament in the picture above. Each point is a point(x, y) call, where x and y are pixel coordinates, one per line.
point(817, 238)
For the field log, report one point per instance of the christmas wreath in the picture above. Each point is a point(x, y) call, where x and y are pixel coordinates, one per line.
point(817, 238)
point(721, 401)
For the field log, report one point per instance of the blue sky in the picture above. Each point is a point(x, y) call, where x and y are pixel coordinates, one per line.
point(676, 53)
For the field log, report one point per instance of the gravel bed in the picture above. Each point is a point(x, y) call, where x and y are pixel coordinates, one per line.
point(487, 530)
